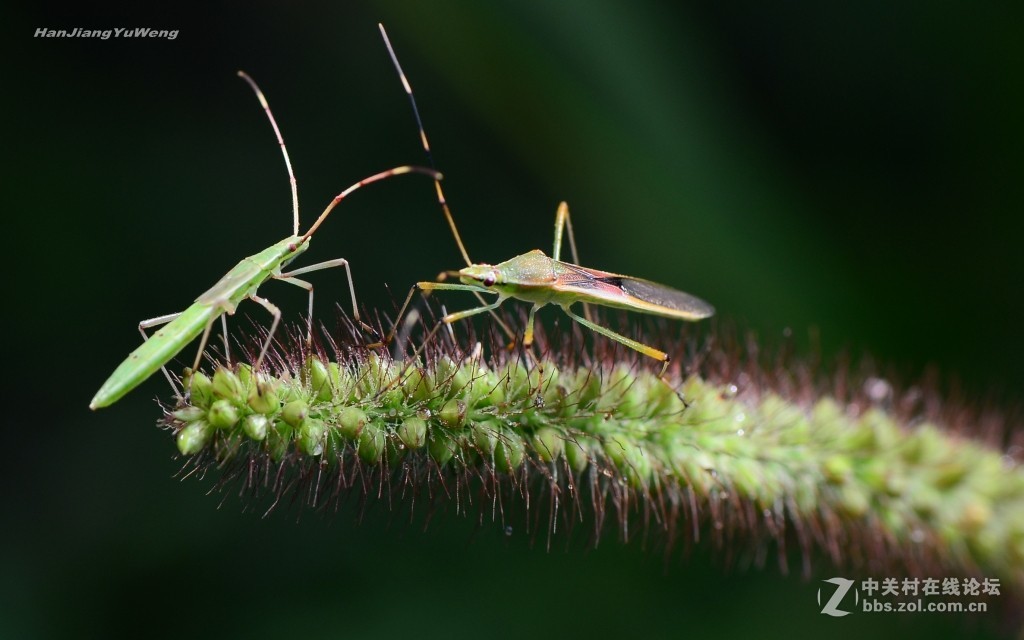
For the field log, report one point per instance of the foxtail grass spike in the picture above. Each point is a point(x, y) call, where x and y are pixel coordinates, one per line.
point(758, 462)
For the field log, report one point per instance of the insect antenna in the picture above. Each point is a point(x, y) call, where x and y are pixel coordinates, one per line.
point(426, 145)
point(397, 171)
point(284, 150)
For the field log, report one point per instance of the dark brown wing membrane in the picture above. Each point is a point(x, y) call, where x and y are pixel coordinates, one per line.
point(663, 296)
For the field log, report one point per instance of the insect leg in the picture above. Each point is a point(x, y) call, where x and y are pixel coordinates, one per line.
point(509, 333)
point(156, 322)
point(426, 287)
point(632, 344)
point(528, 342)
point(274, 311)
point(329, 264)
point(563, 220)
point(528, 336)
point(448, 319)
point(621, 339)
point(202, 343)
point(401, 312)
point(462, 315)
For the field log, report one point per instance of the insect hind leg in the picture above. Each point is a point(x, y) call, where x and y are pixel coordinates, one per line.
point(632, 344)
point(621, 339)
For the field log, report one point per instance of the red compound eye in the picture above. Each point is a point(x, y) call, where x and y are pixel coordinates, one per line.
point(489, 280)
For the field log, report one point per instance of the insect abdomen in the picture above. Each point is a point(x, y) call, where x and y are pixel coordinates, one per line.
point(153, 354)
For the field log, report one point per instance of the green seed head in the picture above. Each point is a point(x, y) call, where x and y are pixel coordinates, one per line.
point(509, 452)
point(226, 385)
point(295, 412)
point(413, 432)
point(440, 446)
point(351, 422)
point(485, 436)
point(255, 426)
point(200, 389)
point(188, 414)
point(576, 454)
point(630, 459)
point(372, 441)
point(453, 414)
point(548, 443)
point(319, 380)
point(245, 375)
point(311, 436)
point(194, 437)
point(495, 388)
point(751, 450)
point(222, 415)
point(838, 469)
point(279, 438)
point(263, 398)
point(418, 386)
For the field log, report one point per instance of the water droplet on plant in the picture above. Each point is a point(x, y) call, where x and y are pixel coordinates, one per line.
point(877, 389)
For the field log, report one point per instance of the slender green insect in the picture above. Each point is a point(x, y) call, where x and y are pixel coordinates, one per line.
point(240, 283)
point(542, 280)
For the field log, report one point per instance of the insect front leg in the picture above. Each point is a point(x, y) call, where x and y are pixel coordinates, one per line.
point(426, 288)
point(447, 320)
point(458, 315)
point(509, 333)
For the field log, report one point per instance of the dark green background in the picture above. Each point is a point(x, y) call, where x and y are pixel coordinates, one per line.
point(852, 169)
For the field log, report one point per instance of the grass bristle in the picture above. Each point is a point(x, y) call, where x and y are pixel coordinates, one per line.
point(767, 459)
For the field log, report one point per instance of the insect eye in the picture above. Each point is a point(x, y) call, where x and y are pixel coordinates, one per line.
point(489, 280)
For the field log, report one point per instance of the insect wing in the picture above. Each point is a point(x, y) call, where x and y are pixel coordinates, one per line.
point(666, 297)
point(625, 292)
